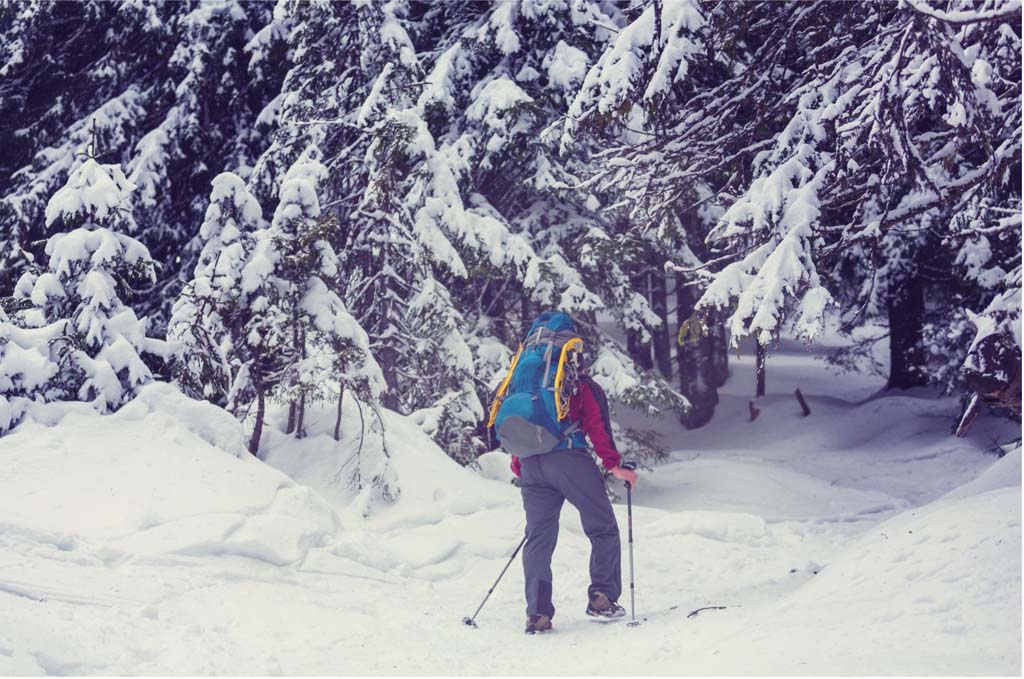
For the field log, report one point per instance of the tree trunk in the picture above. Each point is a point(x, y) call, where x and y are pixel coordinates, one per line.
point(639, 350)
point(337, 421)
point(661, 335)
point(384, 306)
point(290, 427)
point(233, 408)
point(300, 410)
point(300, 417)
point(257, 431)
point(389, 366)
point(696, 361)
point(293, 407)
point(760, 368)
point(495, 309)
point(907, 354)
point(718, 339)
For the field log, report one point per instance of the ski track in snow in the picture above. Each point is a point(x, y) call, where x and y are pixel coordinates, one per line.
point(860, 540)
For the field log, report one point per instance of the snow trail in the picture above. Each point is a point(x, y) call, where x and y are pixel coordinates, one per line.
point(860, 540)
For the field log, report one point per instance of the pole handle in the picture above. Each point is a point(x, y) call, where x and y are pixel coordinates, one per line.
point(631, 466)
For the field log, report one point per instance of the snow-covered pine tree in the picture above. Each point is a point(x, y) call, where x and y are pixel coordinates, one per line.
point(304, 260)
point(992, 256)
point(950, 168)
point(210, 109)
point(983, 236)
point(174, 95)
point(655, 63)
point(81, 301)
point(490, 193)
point(25, 370)
point(336, 99)
point(48, 114)
point(301, 343)
point(841, 145)
point(211, 314)
point(12, 400)
point(267, 343)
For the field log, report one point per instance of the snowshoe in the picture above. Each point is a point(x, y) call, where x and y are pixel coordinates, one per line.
point(603, 609)
point(538, 624)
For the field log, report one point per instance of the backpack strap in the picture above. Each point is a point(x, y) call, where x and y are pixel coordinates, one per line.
point(547, 364)
point(499, 395)
point(541, 335)
point(602, 405)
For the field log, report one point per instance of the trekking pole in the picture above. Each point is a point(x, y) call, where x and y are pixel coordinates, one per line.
point(471, 622)
point(629, 513)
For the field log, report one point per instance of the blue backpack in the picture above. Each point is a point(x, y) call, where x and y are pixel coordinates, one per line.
point(531, 407)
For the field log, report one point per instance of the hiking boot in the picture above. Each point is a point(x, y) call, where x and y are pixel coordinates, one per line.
point(601, 606)
point(538, 623)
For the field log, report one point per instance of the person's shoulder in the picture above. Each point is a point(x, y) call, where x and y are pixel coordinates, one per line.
point(583, 386)
point(587, 383)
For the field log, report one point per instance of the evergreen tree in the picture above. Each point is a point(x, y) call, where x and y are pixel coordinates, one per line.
point(211, 314)
point(324, 340)
point(170, 90)
point(81, 301)
point(491, 191)
point(840, 141)
point(629, 98)
point(354, 63)
point(26, 370)
point(439, 173)
point(299, 339)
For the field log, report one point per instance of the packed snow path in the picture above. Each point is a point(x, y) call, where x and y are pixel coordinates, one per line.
point(860, 540)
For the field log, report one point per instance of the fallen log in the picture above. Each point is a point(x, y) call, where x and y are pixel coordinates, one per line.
point(803, 403)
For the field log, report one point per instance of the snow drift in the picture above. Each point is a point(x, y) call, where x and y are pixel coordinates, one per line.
point(149, 542)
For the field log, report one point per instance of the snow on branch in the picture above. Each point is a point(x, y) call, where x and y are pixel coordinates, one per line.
point(1007, 10)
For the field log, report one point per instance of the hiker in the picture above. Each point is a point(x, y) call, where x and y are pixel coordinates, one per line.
point(541, 412)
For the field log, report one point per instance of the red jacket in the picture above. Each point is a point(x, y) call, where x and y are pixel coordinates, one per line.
point(583, 408)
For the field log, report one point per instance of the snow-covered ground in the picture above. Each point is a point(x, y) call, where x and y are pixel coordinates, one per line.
point(863, 539)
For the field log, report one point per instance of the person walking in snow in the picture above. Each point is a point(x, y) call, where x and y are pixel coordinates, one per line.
point(541, 413)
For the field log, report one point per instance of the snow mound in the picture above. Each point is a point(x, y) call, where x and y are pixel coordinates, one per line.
point(949, 570)
point(428, 486)
point(149, 480)
point(214, 425)
point(1002, 474)
point(495, 466)
point(440, 519)
point(434, 486)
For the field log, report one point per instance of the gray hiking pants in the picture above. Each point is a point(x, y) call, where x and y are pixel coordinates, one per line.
point(546, 481)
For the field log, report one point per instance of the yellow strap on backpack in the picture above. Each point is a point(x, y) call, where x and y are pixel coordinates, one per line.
point(562, 403)
point(500, 395)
